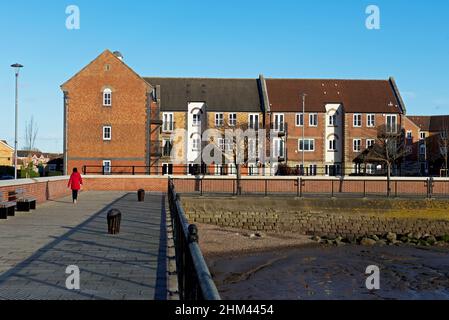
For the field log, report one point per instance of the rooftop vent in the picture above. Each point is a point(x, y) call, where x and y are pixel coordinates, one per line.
point(118, 55)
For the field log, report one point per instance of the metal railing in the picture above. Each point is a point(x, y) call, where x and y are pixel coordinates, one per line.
point(194, 279)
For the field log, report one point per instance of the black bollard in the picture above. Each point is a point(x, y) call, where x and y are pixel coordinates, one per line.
point(141, 195)
point(114, 220)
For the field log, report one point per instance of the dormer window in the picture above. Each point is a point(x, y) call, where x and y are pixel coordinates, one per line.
point(107, 97)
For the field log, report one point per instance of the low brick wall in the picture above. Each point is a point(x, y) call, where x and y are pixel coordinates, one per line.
point(125, 183)
point(43, 189)
point(318, 217)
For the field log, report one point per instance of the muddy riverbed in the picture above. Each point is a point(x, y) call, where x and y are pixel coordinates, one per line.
point(312, 271)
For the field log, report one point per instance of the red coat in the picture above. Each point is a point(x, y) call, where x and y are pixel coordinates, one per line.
point(75, 181)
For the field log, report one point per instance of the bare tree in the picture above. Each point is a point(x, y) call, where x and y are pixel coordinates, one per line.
point(389, 149)
point(443, 143)
point(31, 131)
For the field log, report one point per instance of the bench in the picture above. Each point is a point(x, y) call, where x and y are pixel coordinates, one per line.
point(23, 203)
point(7, 208)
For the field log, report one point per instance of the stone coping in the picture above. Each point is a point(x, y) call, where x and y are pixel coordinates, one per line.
point(21, 182)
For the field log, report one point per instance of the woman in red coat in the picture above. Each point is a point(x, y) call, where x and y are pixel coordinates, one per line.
point(75, 183)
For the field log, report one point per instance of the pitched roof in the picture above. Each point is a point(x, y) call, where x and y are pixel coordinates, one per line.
point(430, 123)
point(376, 96)
point(6, 144)
point(224, 95)
point(26, 154)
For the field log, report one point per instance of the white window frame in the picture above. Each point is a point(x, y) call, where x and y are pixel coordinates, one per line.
point(371, 120)
point(232, 117)
point(107, 97)
point(219, 119)
point(109, 171)
point(313, 116)
point(373, 142)
point(359, 149)
point(333, 120)
point(253, 169)
point(104, 133)
point(300, 117)
point(422, 135)
point(357, 120)
point(278, 152)
point(196, 119)
point(392, 116)
point(196, 144)
point(232, 169)
point(252, 117)
point(168, 121)
point(332, 145)
point(409, 135)
point(309, 149)
point(278, 122)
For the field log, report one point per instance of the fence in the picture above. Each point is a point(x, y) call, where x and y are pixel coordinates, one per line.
point(315, 187)
point(194, 279)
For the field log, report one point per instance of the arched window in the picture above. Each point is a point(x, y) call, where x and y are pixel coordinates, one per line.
point(107, 97)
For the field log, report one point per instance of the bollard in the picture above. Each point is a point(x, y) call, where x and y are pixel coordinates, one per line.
point(114, 220)
point(141, 195)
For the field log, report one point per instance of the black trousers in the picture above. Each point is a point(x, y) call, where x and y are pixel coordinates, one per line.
point(75, 194)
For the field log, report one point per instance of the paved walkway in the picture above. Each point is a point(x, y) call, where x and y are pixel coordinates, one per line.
point(36, 248)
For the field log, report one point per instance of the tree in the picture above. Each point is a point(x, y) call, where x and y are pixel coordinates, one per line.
point(31, 131)
point(443, 143)
point(388, 149)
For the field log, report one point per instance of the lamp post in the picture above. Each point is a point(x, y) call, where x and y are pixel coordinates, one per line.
point(303, 130)
point(17, 68)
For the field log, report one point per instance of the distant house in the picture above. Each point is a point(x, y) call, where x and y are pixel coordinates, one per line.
point(47, 162)
point(6, 154)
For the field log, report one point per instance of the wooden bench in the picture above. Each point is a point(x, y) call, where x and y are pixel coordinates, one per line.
point(23, 203)
point(7, 208)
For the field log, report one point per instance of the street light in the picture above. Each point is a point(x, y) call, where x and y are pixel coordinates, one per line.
point(17, 68)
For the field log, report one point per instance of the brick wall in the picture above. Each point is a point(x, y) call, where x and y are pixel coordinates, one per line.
point(86, 114)
point(42, 189)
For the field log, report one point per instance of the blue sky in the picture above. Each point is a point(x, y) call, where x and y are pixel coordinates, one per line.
point(233, 38)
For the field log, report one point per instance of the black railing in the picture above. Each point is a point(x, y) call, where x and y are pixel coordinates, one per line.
point(194, 279)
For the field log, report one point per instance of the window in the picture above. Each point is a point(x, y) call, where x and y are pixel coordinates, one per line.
point(278, 122)
point(196, 144)
point(166, 147)
point(313, 120)
point(371, 120)
point(313, 170)
point(307, 145)
point(232, 169)
point(422, 135)
point(252, 149)
point(391, 124)
point(299, 120)
point(107, 97)
point(422, 149)
point(332, 145)
point(357, 145)
point(357, 120)
point(219, 120)
point(370, 168)
point(107, 166)
point(253, 121)
point(219, 170)
point(278, 148)
point(167, 169)
point(333, 120)
point(409, 135)
point(444, 134)
point(167, 122)
point(370, 143)
point(196, 121)
point(253, 170)
point(224, 144)
point(107, 133)
point(232, 119)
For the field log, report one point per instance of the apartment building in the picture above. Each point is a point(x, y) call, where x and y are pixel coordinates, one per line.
point(427, 137)
point(330, 122)
point(117, 121)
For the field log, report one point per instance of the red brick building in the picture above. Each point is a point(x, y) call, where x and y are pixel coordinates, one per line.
point(117, 121)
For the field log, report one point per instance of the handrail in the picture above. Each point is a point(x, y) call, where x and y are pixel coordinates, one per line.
point(194, 278)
